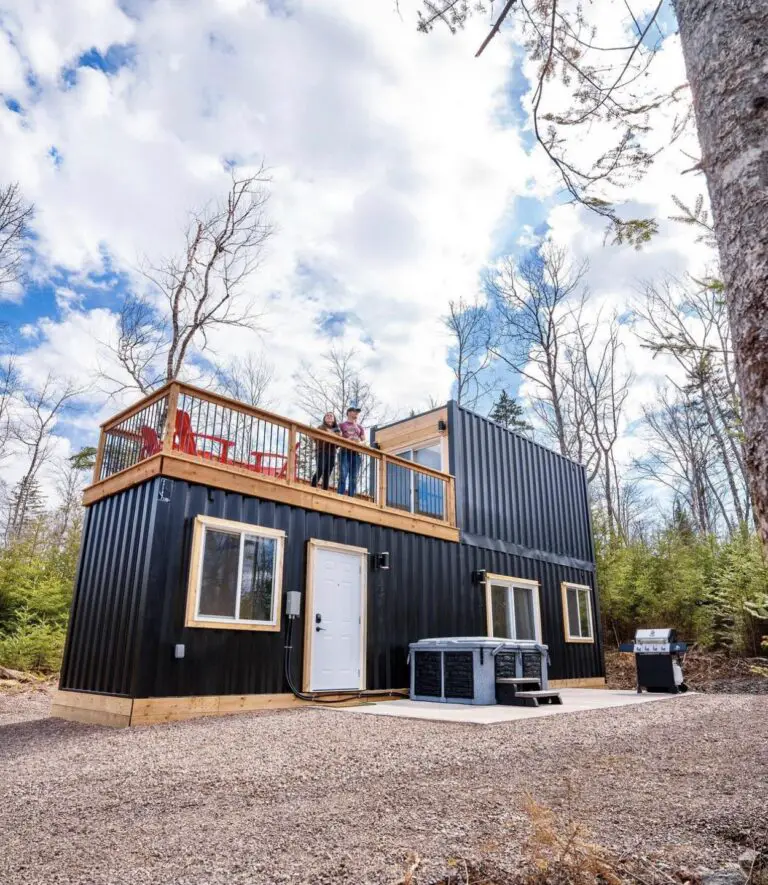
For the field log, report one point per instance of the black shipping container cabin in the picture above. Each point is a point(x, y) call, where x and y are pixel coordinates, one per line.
point(203, 515)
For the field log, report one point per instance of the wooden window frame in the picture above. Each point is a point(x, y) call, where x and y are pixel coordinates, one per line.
point(511, 582)
point(192, 619)
point(314, 544)
point(565, 586)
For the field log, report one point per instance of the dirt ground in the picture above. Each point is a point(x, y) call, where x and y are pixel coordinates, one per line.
point(322, 796)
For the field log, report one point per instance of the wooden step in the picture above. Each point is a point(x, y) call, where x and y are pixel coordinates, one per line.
point(541, 697)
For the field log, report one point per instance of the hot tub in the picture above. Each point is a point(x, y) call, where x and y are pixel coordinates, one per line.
point(464, 669)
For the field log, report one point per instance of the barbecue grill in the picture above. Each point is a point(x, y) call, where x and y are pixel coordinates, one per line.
point(658, 658)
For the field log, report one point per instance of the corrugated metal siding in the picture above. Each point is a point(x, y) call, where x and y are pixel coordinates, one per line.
point(105, 619)
point(512, 490)
point(131, 595)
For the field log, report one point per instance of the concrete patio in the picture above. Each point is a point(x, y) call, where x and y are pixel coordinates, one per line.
point(575, 700)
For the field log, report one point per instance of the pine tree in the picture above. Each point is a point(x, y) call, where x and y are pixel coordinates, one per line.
point(509, 413)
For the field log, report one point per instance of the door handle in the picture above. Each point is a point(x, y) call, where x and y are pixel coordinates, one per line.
point(318, 629)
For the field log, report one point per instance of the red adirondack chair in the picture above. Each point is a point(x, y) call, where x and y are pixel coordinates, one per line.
point(279, 468)
point(185, 439)
point(150, 442)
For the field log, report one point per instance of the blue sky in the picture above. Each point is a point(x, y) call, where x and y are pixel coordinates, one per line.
point(400, 169)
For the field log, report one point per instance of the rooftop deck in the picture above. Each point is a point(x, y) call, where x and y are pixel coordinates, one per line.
point(186, 433)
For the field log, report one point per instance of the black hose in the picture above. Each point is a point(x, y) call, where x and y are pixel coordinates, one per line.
point(319, 699)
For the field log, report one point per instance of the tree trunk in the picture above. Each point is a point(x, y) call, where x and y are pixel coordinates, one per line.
point(725, 43)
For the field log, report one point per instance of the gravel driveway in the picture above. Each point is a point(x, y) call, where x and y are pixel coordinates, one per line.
point(313, 796)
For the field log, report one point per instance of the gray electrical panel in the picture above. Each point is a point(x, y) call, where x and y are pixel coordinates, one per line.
point(293, 603)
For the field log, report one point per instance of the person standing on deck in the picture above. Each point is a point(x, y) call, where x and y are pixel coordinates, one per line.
point(326, 452)
point(349, 459)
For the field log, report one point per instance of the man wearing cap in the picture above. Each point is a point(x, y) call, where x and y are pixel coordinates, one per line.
point(349, 459)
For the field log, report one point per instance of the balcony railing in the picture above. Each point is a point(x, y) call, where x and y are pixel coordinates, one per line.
point(185, 422)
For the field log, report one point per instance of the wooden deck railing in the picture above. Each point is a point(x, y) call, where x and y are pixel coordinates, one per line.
point(186, 422)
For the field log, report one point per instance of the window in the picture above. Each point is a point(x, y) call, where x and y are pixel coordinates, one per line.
point(417, 492)
point(235, 577)
point(577, 613)
point(512, 608)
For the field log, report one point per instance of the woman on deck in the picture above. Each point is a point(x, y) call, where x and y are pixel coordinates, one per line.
point(326, 452)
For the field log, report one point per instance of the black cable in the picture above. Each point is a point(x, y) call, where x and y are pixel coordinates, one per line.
point(319, 699)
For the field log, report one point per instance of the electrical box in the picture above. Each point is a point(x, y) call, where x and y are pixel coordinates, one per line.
point(293, 603)
point(178, 651)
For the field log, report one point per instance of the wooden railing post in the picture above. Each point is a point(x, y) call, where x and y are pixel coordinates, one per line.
point(99, 456)
point(170, 417)
point(382, 491)
point(450, 502)
point(290, 474)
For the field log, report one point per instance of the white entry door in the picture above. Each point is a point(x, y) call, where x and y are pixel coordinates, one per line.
point(336, 619)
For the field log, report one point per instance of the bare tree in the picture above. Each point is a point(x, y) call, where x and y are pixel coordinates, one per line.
point(15, 216)
point(40, 409)
point(534, 300)
point(246, 379)
point(730, 104)
point(9, 388)
point(336, 384)
point(469, 325)
point(599, 388)
point(690, 324)
point(71, 477)
point(681, 457)
point(195, 292)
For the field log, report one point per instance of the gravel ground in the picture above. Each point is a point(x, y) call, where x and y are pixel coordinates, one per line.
point(321, 796)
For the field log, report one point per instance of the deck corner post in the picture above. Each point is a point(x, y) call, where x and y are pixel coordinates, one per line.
point(170, 418)
point(382, 502)
point(99, 456)
point(290, 474)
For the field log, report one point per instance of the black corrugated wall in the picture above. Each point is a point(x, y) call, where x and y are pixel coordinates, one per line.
point(525, 509)
point(516, 492)
point(130, 598)
point(106, 620)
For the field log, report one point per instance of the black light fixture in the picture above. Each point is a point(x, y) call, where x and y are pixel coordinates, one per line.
point(381, 561)
point(478, 577)
point(441, 425)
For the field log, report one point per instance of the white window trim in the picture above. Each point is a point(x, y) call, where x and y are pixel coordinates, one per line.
point(564, 588)
point(193, 617)
point(510, 583)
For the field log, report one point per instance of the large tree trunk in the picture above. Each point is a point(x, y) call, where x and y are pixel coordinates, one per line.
point(725, 43)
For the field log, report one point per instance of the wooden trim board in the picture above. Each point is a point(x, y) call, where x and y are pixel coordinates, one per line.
point(586, 682)
point(412, 432)
point(121, 712)
point(95, 709)
point(178, 466)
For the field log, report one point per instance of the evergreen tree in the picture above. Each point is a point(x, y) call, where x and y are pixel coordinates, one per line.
point(509, 413)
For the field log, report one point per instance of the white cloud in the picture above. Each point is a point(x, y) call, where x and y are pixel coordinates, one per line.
point(391, 172)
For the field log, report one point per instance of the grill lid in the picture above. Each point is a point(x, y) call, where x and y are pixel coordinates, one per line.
point(659, 634)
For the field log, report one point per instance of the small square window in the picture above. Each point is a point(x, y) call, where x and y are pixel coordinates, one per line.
point(577, 613)
point(236, 576)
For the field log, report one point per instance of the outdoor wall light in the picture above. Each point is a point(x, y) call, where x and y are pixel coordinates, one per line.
point(381, 561)
point(478, 577)
point(441, 425)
